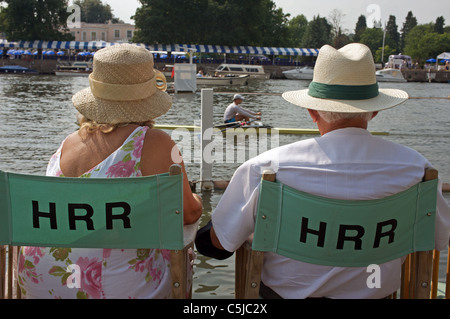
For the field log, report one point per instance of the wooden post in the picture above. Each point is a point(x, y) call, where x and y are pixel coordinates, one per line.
point(207, 124)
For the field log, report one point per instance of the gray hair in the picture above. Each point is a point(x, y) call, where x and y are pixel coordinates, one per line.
point(332, 117)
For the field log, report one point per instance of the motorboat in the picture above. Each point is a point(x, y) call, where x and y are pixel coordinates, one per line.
point(390, 75)
point(254, 71)
point(74, 69)
point(16, 69)
point(305, 73)
point(227, 80)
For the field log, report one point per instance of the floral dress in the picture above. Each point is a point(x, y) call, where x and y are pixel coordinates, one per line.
point(101, 273)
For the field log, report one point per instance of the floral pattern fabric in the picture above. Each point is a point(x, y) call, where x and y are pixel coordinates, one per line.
point(70, 273)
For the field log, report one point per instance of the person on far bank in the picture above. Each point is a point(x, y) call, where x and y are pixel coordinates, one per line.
point(236, 113)
point(116, 139)
point(345, 162)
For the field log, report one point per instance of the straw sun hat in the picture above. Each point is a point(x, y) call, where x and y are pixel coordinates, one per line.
point(123, 87)
point(345, 82)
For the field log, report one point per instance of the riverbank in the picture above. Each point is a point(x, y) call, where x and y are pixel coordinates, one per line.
point(48, 66)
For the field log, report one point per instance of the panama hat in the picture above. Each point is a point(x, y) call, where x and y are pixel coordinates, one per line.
point(123, 87)
point(345, 82)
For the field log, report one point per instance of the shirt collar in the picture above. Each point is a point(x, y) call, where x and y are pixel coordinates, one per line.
point(347, 131)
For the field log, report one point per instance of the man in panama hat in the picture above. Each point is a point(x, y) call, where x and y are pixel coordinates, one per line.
point(346, 162)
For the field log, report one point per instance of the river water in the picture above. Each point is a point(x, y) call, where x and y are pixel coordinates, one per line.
point(36, 114)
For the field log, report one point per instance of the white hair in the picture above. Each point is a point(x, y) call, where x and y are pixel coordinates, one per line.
point(332, 117)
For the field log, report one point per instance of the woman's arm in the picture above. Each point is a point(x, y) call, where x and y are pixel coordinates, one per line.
point(158, 154)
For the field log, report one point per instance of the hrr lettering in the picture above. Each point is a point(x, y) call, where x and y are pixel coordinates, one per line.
point(83, 213)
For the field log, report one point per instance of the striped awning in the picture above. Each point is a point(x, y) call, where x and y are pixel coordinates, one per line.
point(97, 45)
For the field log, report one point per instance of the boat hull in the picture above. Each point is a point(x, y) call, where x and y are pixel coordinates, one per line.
point(224, 81)
point(299, 74)
point(390, 75)
point(17, 70)
point(72, 73)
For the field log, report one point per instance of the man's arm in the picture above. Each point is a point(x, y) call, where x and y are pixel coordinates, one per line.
point(209, 245)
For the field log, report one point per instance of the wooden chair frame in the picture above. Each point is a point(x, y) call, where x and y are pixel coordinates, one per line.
point(9, 287)
point(419, 272)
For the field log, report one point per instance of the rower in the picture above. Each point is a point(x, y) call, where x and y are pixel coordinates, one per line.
point(236, 113)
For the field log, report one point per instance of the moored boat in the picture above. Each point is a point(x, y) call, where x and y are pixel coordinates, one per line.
point(305, 73)
point(390, 75)
point(228, 80)
point(254, 71)
point(16, 69)
point(74, 69)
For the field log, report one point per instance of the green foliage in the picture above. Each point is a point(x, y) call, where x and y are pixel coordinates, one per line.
point(379, 57)
point(29, 20)
point(422, 43)
point(94, 11)
point(217, 22)
point(360, 27)
point(373, 38)
point(297, 28)
point(318, 33)
point(410, 23)
point(392, 34)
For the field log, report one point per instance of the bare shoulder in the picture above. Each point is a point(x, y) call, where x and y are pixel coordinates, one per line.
point(158, 139)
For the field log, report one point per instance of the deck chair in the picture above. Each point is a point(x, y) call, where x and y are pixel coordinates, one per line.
point(355, 239)
point(440, 289)
point(125, 213)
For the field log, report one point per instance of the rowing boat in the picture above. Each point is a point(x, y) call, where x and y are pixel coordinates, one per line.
point(283, 131)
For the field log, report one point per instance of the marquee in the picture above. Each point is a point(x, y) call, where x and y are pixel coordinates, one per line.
point(220, 49)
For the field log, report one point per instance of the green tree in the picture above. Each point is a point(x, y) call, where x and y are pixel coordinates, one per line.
point(439, 25)
point(276, 26)
point(373, 38)
point(29, 20)
point(297, 28)
point(392, 34)
point(172, 21)
point(94, 11)
point(318, 33)
point(217, 22)
point(360, 27)
point(379, 57)
point(410, 23)
point(423, 42)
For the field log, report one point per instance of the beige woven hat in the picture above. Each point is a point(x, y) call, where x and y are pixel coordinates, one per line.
point(345, 81)
point(123, 87)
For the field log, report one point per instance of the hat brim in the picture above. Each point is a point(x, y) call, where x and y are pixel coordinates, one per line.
point(117, 112)
point(388, 98)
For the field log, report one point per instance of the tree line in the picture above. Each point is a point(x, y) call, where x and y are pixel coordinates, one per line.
point(230, 23)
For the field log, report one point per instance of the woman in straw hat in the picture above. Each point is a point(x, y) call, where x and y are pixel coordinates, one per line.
point(346, 162)
point(115, 140)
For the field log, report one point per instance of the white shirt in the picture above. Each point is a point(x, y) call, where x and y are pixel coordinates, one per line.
point(233, 109)
point(344, 164)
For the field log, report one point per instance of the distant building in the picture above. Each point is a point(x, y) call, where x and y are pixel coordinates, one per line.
point(109, 32)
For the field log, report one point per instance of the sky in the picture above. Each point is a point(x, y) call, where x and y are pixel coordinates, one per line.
point(425, 11)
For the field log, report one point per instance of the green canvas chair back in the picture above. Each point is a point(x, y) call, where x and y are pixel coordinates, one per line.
point(122, 213)
point(343, 233)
